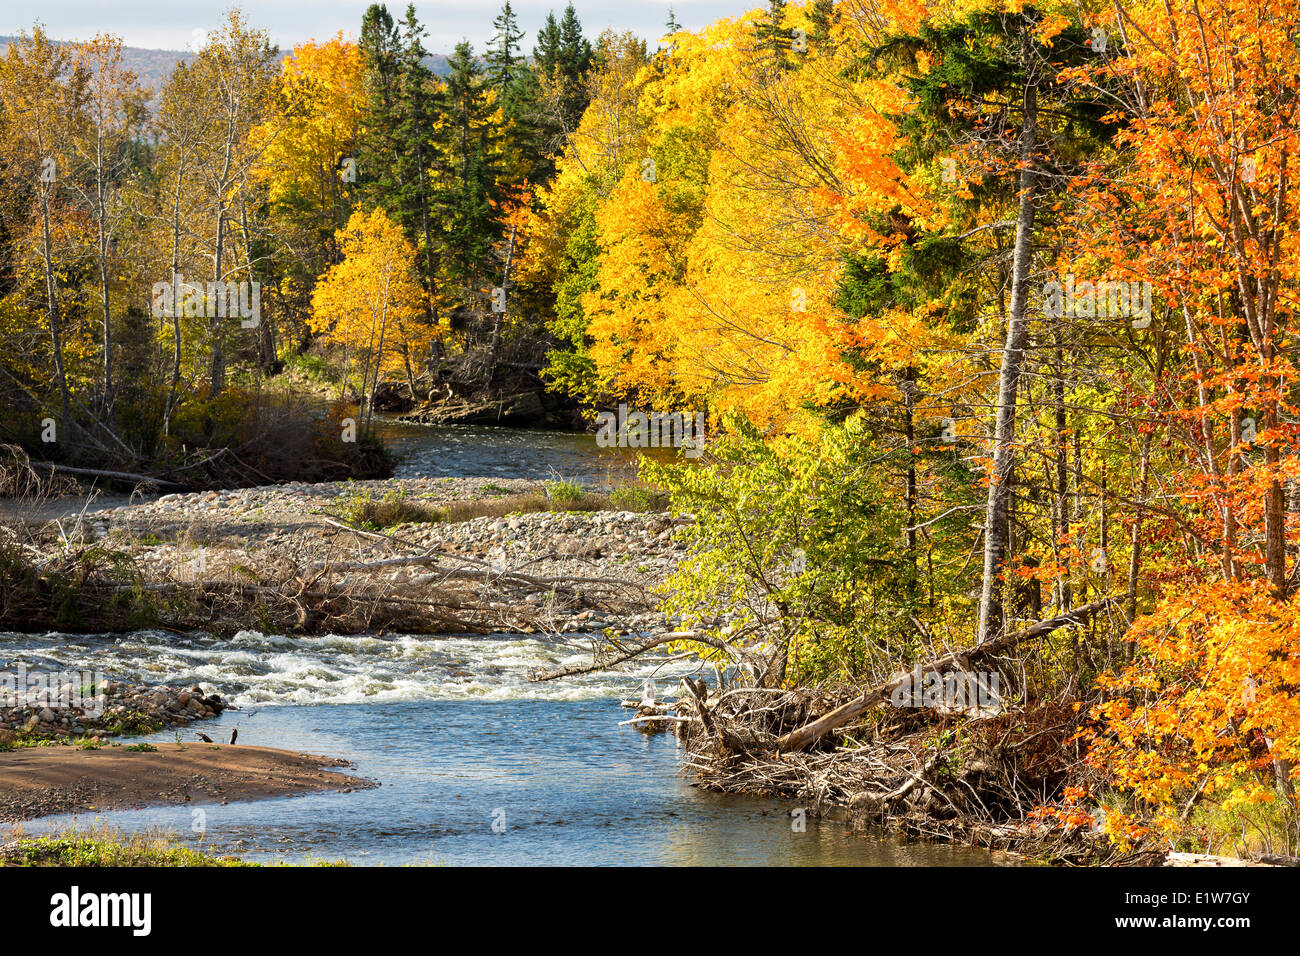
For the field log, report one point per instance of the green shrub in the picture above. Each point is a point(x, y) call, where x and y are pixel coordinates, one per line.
point(565, 493)
point(393, 508)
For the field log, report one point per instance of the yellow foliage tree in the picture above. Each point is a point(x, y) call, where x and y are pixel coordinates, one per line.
point(371, 303)
point(309, 142)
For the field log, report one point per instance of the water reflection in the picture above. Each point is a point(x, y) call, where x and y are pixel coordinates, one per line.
point(563, 782)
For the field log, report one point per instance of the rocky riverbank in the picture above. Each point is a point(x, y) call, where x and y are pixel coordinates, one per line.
point(97, 713)
point(294, 557)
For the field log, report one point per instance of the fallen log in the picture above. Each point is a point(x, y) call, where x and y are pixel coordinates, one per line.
point(814, 730)
point(484, 573)
point(116, 475)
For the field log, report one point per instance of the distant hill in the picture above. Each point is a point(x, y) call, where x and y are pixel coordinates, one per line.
point(154, 66)
point(151, 66)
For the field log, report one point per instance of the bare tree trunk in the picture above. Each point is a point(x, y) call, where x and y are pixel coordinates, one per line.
point(1275, 512)
point(494, 344)
point(217, 324)
point(1063, 596)
point(221, 185)
point(379, 363)
point(266, 357)
point(174, 385)
point(101, 213)
point(52, 310)
point(909, 433)
point(997, 514)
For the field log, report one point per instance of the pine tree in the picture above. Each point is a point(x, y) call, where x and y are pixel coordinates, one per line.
point(401, 112)
point(823, 16)
point(575, 62)
point(561, 61)
point(772, 33)
point(985, 58)
point(575, 49)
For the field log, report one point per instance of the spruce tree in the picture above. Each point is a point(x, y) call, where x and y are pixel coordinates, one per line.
point(466, 188)
point(574, 63)
point(546, 55)
point(504, 60)
point(417, 117)
point(822, 16)
point(772, 33)
point(377, 147)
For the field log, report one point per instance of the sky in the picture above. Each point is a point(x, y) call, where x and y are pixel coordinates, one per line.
point(168, 26)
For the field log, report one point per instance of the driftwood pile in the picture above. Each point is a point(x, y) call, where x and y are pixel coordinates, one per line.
point(917, 770)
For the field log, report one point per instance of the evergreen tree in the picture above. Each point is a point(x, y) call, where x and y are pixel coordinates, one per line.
point(377, 147)
point(561, 61)
point(417, 117)
point(523, 134)
point(575, 61)
point(504, 61)
point(822, 16)
point(772, 33)
point(401, 112)
point(1041, 127)
point(575, 49)
point(466, 186)
point(546, 55)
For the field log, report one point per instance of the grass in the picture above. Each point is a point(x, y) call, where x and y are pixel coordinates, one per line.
point(395, 508)
point(639, 497)
point(19, 740)
point(133, 724)
point(567, 495)
point(312, 368)
point(103, 846)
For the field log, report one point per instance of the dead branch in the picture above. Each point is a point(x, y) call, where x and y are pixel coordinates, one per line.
point(815, 730)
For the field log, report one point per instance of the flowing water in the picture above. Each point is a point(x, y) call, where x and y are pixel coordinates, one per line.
point(477, 765)
point(442, 451)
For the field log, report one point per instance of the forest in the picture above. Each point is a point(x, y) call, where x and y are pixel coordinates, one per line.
point(986, 304)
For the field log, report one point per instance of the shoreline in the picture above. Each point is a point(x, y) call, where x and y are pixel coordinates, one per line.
point(48, 781)
point(540, 572)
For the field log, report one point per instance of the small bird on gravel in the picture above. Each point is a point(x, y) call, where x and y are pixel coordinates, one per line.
point(204, 737)
point(233, 734)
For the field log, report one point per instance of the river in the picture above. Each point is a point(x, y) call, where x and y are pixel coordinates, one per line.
point(453, 451)
point(476, 764)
